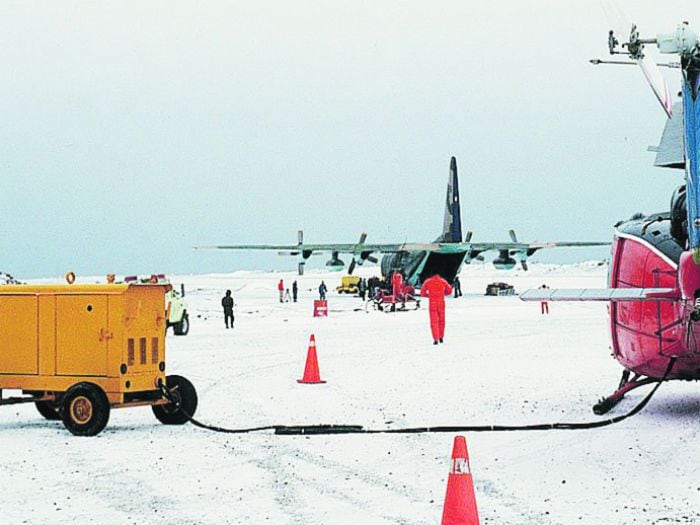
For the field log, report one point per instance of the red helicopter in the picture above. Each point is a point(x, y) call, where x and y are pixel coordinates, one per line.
point(654, 274)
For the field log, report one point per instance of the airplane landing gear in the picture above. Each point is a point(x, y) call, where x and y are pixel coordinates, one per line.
point(626, 384)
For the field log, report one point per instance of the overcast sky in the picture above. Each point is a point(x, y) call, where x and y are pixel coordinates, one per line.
point(132, 131)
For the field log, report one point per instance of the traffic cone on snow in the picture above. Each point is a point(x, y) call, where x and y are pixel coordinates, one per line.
point(311, 373)
point(460, 502)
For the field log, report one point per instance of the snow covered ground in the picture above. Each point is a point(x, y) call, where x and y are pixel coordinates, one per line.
point(502, 363)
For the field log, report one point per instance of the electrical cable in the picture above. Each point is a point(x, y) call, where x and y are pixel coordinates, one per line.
point(359, 429)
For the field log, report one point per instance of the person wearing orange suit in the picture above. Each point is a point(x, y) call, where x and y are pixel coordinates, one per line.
point(544, 305)
point(396, 285)
point(435, 288)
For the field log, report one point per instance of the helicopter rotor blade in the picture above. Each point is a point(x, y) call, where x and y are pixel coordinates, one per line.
point(617, 19)
point(657, 82)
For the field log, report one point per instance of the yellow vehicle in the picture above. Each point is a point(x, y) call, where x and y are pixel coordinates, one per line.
point(77, 351)
point(349, 284)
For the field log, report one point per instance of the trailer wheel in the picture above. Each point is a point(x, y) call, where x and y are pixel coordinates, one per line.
point(48, 409)
point(185, 405)
point(183, 327)
point(85, 409)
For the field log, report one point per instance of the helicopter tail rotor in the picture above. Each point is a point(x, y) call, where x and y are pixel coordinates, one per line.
point(635, 50)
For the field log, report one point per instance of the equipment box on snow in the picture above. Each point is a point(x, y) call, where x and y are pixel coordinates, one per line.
point(500, 289)
point(79, 350)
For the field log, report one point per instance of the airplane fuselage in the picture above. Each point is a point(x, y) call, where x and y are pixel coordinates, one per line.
point(418, 266)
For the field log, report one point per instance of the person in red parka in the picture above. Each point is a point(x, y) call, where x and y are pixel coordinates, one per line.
point(435, 288)
point(280, 289)
point(396, 285)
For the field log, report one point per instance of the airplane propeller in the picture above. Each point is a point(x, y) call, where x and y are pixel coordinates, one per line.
point(301, 259)
point(301, 253)
point(359, 257)
point(521, 255)
point(335, 262)
point(473, 254)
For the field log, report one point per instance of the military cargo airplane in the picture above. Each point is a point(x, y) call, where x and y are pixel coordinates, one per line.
point(418, 261)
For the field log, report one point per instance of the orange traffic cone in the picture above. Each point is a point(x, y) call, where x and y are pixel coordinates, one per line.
point(460, 502)
point(311, 373)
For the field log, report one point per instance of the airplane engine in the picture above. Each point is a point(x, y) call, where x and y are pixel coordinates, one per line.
point(504, 261)
point(335, 263)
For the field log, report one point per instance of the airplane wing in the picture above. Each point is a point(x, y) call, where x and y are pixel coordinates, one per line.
point(601, 294)
point(361, 251)
point(441, 247)
point(294, 249)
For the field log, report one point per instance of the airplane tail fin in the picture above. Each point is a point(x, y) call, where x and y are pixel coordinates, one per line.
point(452, 225)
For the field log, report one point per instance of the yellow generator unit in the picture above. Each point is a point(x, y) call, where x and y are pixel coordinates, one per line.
point(77, 351)
point(349, 284)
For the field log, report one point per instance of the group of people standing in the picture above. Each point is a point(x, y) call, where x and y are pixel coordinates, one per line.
point(284, 292)
point(227, 302)
point(285, 297)
point(435, 288)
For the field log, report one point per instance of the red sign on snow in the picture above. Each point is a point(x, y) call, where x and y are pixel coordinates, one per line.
point(320, 308)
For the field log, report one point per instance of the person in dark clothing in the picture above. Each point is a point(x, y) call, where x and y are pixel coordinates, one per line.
point(227, 303)
point(457, 287)
point(295, 290)
point(322, 289)
point(362, 288)
point(372, 287)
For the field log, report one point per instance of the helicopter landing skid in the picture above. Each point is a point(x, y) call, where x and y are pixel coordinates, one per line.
point(607, 403)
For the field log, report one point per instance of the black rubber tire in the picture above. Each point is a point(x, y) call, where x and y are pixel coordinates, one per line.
point(183, 327)
point(186, 396)
point(49, 410)
point(82, 398)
